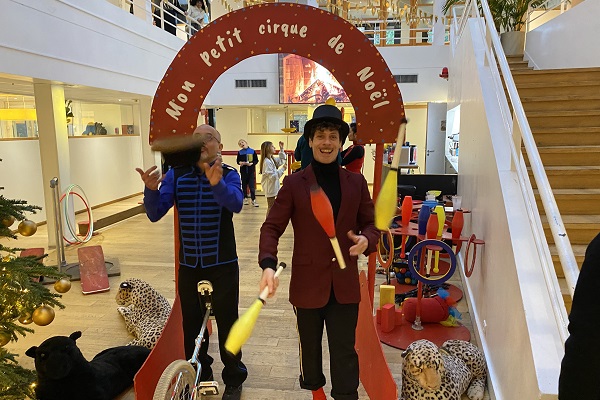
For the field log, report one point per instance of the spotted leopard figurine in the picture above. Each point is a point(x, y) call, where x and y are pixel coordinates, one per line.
point(429, 373)
point(144, 309)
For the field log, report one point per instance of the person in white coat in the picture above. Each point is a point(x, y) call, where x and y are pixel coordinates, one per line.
point(196, 14)
point(272, 169)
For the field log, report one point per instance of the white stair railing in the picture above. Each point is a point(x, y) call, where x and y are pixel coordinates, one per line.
point(517, 125)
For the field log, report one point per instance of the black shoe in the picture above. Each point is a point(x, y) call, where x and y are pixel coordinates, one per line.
point(232, 393)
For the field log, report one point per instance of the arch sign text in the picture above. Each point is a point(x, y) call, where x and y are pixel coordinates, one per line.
point(279, 28)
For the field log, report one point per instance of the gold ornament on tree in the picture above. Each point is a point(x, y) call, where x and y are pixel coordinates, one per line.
point(8, 221)
point(62, 286)
point(43, 315)
point(4, 338)
point(27, 227)
point(25, 319)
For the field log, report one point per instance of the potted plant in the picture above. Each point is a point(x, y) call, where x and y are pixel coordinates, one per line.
point(509, 18)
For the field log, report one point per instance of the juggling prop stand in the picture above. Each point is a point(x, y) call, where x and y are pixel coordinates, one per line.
point(424, 264)
point(404, 287)
point(95, 277)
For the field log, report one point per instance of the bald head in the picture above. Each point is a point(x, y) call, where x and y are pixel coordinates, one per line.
point(212, 143)
point(206, 129)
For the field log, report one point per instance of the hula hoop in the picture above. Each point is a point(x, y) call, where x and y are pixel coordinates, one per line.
point(83, 197)
point(390, 258)
point(432, 279)
point(469, 270)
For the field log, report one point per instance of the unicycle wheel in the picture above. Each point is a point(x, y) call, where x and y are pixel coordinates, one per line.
point(176, 382)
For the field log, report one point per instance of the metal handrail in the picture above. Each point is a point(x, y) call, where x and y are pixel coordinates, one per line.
point(564, 6)
point(160, 12)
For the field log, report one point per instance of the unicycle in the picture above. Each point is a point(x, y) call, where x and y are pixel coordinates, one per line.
point(181, 379)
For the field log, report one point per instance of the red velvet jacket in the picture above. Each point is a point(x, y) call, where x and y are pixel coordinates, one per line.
point(314, 266)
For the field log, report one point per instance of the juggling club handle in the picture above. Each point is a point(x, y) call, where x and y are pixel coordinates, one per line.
point(399, 143)
point(338, 252)
point(265, 292)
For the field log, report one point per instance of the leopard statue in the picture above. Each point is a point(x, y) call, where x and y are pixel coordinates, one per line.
point(429, 373)
point(144, 309)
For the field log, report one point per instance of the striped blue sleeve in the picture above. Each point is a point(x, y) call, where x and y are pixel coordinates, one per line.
point(228, 192)
point(158, 202)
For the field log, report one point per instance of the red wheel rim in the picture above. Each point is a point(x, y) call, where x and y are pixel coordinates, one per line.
point(469, 270)
point(387, 263)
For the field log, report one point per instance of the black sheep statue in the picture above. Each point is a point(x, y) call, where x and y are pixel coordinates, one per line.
point(64, 374)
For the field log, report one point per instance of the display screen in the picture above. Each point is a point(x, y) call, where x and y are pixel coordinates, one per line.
point(304, 81)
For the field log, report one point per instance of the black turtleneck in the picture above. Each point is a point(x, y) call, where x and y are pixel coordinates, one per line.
point(328, 177)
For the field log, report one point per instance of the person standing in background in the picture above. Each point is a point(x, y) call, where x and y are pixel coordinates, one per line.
point(353, 157)
point(247, 160)
point(169, 14)
point(206, 193)
point(195, 14)
point(271, 169)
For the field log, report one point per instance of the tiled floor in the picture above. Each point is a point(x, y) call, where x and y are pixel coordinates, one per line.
point(145, 250)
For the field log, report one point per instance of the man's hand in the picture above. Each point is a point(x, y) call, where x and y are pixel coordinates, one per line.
point(360, 243)
point(151, 177)
point(268, 279)
point(214, 173)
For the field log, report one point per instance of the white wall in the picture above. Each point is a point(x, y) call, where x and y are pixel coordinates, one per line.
point(104, 166)
point(21, 174)
point(510, 302)
point(568, 41)
point(83, 42)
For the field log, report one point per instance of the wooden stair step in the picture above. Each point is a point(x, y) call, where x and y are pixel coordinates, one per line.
point(569, 155)
point(556, 75)
point(551, 136)
point(562, 102)
point(580, 228)
point(517, 57)
point(566, 118)
point(569, 177)
point(573, 201)
point(578, 252)
point(518, 66)
point(563, 83)
point(591, 87)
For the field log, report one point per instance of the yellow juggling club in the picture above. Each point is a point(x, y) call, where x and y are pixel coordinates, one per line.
point(242, 328)
point(385, 206)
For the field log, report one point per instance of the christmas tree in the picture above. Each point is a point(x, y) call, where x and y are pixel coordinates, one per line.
point(23, 298)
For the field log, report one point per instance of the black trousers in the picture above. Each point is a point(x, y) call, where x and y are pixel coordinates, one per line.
point(340, 320)
point(170, 17)
point(248, 181)
point(225, 281)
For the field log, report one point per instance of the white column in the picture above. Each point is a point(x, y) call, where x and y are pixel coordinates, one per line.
point(439, 30)
point(141, 117)
point(54, 144)
point(143, 9)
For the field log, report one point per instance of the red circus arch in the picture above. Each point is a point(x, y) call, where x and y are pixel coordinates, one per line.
point(267, 29)
point(279, 28)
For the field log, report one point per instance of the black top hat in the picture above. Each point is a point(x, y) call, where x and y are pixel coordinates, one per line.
point(327, 113)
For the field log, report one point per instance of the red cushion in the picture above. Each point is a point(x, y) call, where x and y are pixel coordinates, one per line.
point(433, 309)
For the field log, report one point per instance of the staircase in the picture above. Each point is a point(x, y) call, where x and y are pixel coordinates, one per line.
point(563, 110)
